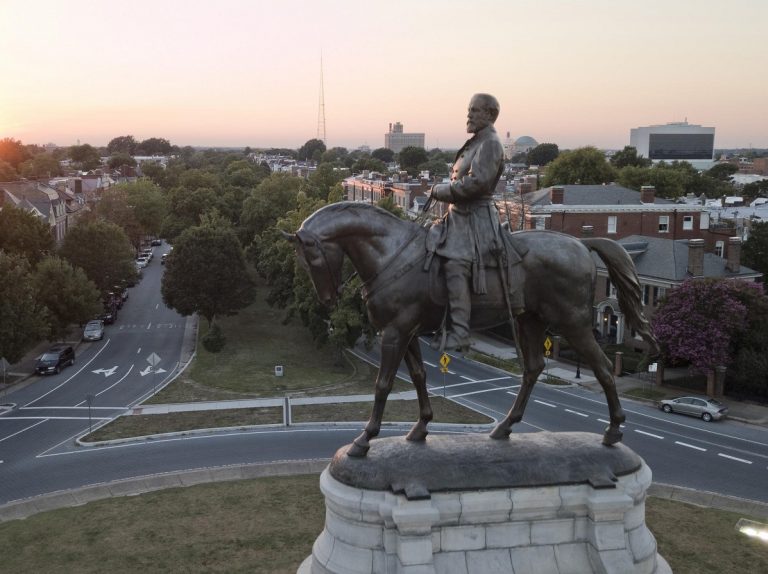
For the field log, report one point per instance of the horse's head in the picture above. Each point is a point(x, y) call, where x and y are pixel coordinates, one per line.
point(322, 260)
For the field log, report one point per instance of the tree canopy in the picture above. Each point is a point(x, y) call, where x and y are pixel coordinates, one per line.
point(542, 154)
point(312, 150)
point(628, 157)
point(23, 319)
point(698, 321)
point(41, 165)
point(103, 251)
point(85, 157)
point(411, 157)
point(14, 152)
point(122, 144)
point(754, 252)
point(585, 166)
point(383, 154)
point(207, 274)
point(67, 293)
point(23, 234)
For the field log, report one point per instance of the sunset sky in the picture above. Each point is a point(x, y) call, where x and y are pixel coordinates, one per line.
point(247, 72)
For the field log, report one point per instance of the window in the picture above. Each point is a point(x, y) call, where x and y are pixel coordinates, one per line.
point(646, 293)
point(688, 222)
point(663, 223)
point(719, 248)
point(611, 224)
point(540, 223)
point(704, 220)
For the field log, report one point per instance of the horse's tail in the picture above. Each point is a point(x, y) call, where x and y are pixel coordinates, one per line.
point(621, 270)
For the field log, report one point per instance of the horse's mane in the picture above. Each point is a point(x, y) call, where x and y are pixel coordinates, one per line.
point(362, 210)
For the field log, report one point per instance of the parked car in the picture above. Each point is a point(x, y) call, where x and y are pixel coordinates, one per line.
point(54, 359)
point(94, 330)
point(163, 258)
point(702, 407)
point(156, 242)
point(142, 262)
point(148, 253)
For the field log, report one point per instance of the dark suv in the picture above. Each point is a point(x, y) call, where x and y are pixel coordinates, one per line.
point(54, 359)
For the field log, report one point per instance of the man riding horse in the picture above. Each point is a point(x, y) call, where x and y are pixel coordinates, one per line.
point(471, 234)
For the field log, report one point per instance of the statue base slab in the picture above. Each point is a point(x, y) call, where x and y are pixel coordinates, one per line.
point(578, 507)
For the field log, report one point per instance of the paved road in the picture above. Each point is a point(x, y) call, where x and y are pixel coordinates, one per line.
point(37, 453)
point(726, 457)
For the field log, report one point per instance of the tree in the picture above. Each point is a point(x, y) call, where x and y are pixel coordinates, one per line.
point(271, 200)
point(23, 234)
point(103, 251)
point(154, 146)
point(628, 157)
point(369, 164)
point(122, 144)
point(85, 157)
point(542, 154)
point(312, 150)
point(669, 183)
point(41, 165)
point(23, 319)
point(410, 157)
point(14, 152)
point(207, 274)
point(698, 321)
point(383, 154)
point(322, 180)
point(7, 173)
point(585, 166)
point(754, 253)
point(67, 293)
point(244, 173)
point(756, 189)
point(119, 159)
point(138, 207)
point(335, 155)
point(723, 171)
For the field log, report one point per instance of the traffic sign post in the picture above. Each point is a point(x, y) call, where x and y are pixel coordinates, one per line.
point(444, 360)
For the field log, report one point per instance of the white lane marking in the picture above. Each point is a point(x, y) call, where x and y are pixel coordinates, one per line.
point(58, 419)
point(75, 407)
point(139, 351)
point(609, 422)
point(690, 446)
point(21, 431)
point(70, 378)
point(482, 391)
point(666, 420)
point(149, 326)
point(438, 386)
point(430, 364)
point(511, 393)
point(545, 404)
point(493, 380)
point(451, 373)
point(649, 434)
point(729, 457)
point(576, 413)
point(470, 379)
point(158, 305)
point(117, 382)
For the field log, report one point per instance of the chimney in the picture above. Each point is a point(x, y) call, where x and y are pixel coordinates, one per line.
point(696, 257)
point(557, 194)
point(733, 261)
point(647, 194)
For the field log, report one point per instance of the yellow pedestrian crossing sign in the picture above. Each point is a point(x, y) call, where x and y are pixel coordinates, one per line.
point(547, 346)
point(444, 360)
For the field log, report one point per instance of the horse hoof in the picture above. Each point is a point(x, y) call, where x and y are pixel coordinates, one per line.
point(417, 435)
point(612, 436)
point(500, 432)
point(357, 451)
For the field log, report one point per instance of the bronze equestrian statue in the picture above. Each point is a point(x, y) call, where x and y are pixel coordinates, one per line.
point(556, 279)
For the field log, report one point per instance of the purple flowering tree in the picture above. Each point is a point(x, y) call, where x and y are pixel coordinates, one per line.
point(698, 321)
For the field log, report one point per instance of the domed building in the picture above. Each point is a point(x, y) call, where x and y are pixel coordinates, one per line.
point(525, 143)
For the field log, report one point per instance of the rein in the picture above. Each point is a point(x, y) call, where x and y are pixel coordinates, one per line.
point(368, 289)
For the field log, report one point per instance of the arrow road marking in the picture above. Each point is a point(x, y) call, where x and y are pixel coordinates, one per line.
point(106, 372)
point(149, 370)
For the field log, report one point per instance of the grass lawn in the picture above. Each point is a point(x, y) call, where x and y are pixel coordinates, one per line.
point(268, 525)
point(444, 411)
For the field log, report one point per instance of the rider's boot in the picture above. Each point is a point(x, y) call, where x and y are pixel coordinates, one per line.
point(457, 276)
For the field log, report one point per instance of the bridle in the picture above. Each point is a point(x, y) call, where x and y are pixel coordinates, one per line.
point(314, 240)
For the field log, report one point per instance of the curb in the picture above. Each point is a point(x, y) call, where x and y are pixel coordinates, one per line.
point(449, 427)
point(25, 508)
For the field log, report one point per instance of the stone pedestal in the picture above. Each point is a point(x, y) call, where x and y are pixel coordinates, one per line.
point(538, 503)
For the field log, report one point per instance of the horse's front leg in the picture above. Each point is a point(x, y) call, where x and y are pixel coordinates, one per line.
point(392, 350)
point(418, 374)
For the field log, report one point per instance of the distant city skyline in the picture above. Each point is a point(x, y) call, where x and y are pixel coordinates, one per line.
point(238, 73)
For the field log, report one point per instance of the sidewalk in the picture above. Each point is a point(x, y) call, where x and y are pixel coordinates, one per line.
point(739, 411)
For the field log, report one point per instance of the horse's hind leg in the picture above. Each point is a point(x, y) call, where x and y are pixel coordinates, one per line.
point(415, 366)
point(583, 342)
point(392, 350)
point(531, 332)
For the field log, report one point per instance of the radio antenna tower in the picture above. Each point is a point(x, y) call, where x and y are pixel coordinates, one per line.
point(321, 108)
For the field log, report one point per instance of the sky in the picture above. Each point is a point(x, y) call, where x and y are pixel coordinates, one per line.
point(248, 72)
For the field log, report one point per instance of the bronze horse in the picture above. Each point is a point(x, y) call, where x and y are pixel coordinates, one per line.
point(388, 253)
